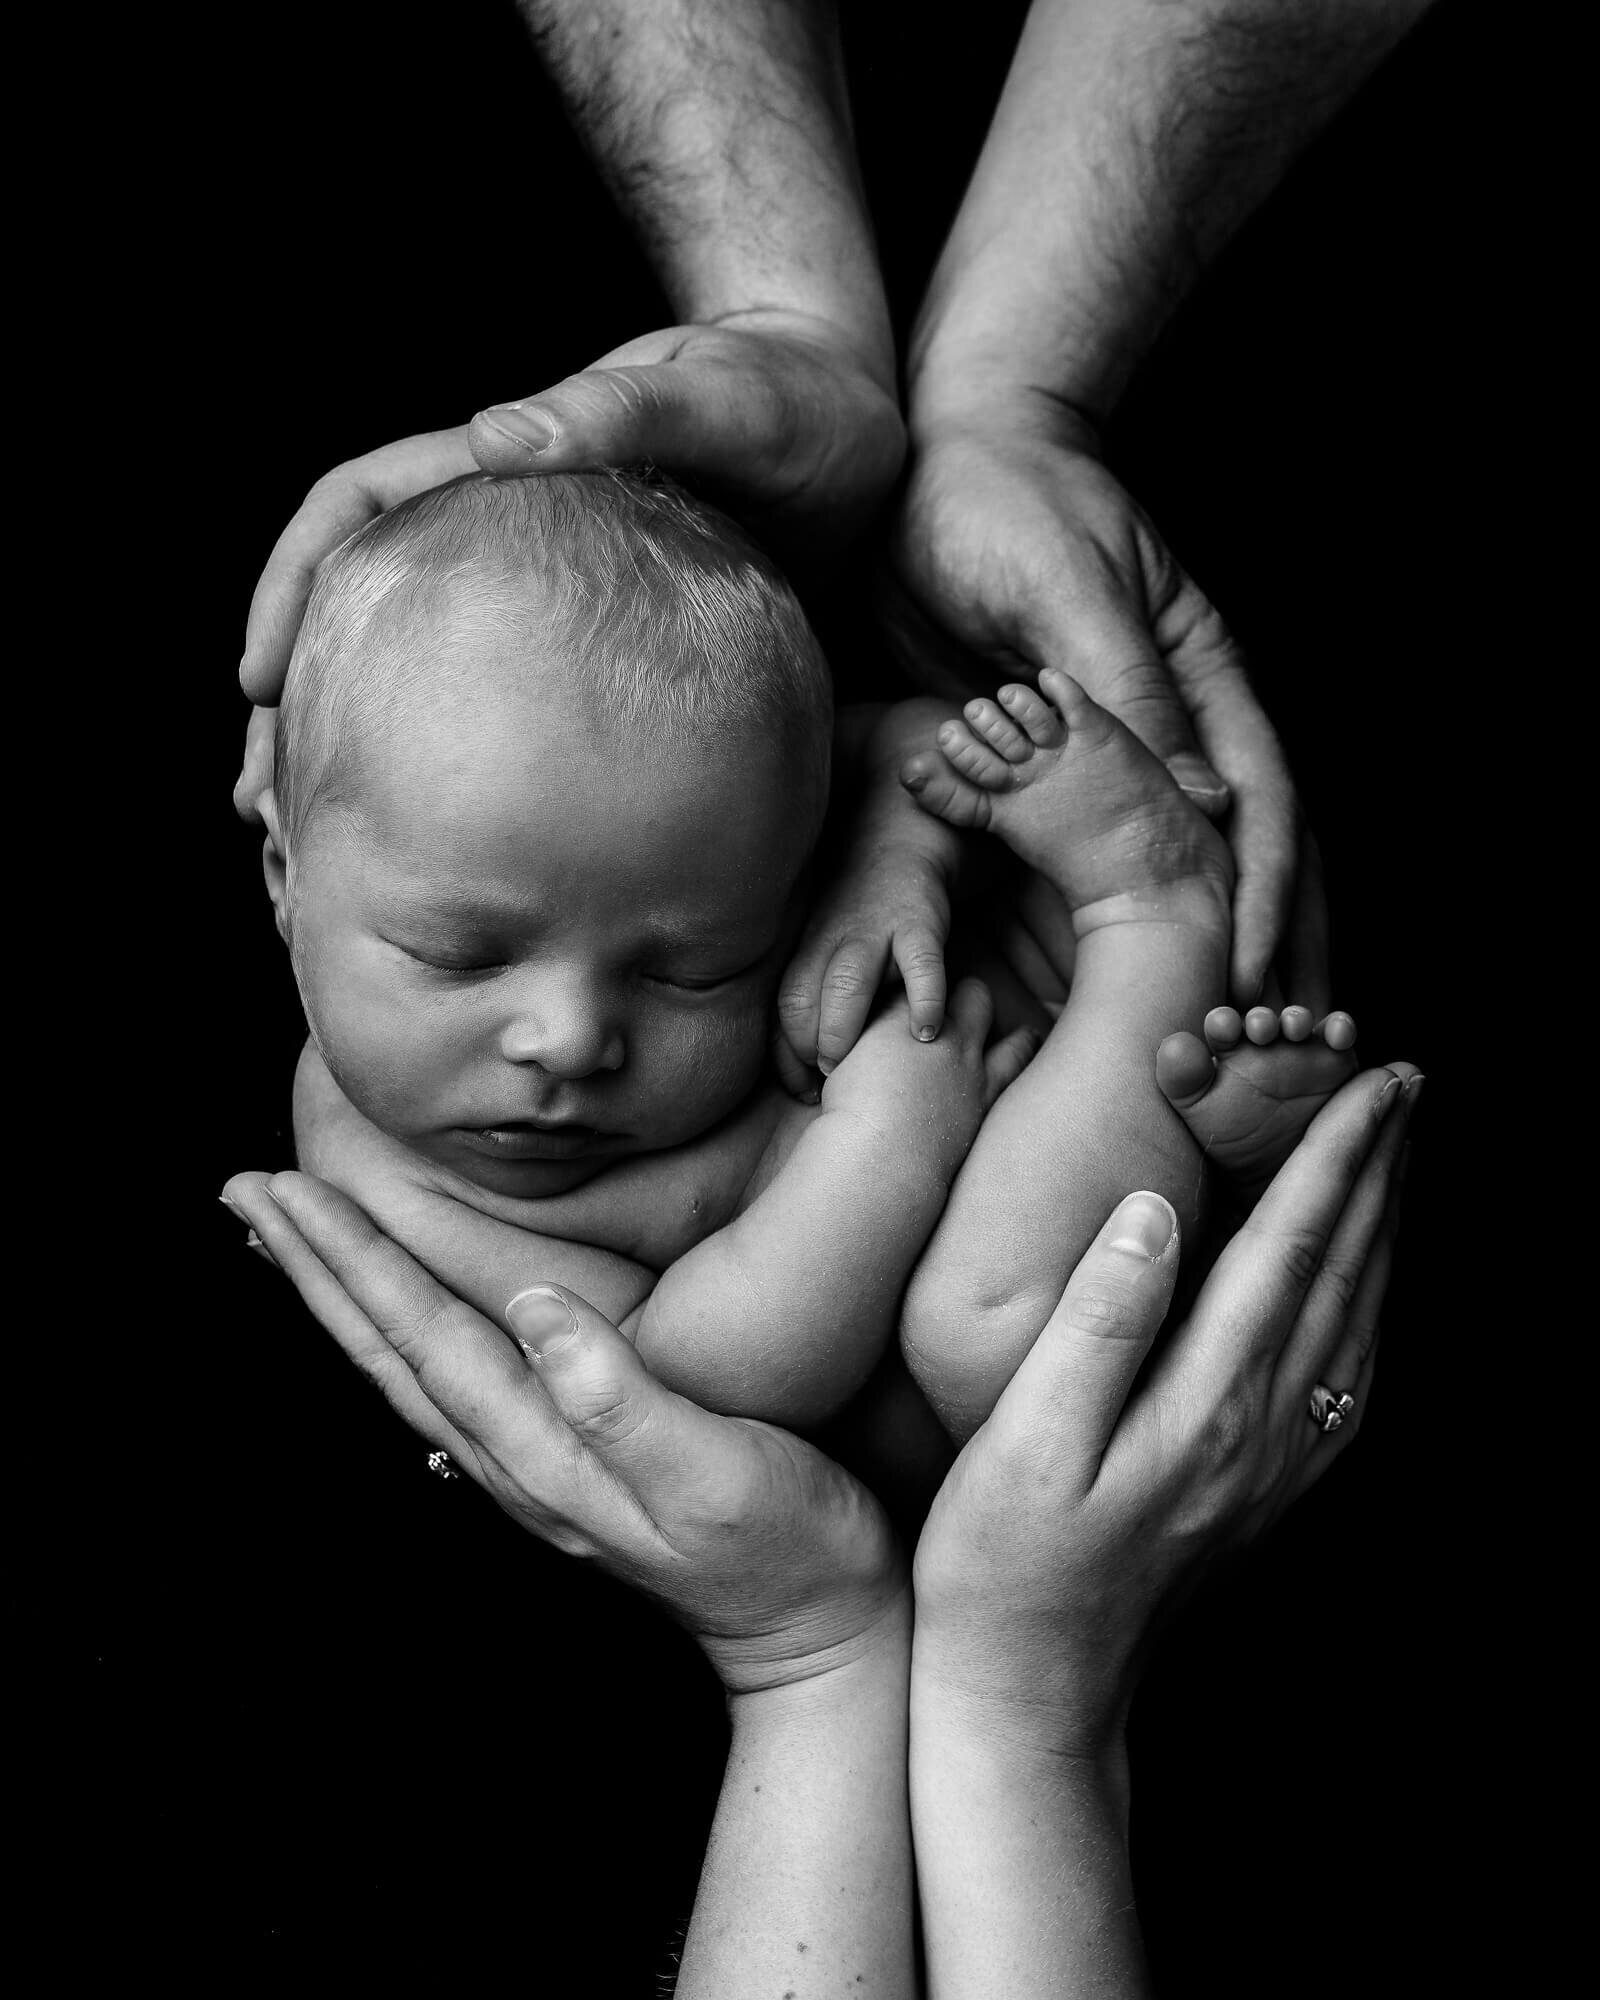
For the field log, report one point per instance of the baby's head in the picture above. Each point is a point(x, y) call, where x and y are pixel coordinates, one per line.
point(551, 759)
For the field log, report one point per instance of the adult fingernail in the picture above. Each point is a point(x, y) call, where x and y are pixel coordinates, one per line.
point(826, 1065)
point(254, 1242)
point(1388, 1098)
point(1413, 1090)
point(926, 1034)
point(531, 430)
point(228, 1201)
point(540, 1318)
point(1144, 1225)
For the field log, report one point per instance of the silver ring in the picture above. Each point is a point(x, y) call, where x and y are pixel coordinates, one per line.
point(1328, 1411)
point(439, 1461)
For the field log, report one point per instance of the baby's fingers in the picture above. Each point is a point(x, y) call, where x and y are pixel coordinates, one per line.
point(919, 956)
point(849, 987)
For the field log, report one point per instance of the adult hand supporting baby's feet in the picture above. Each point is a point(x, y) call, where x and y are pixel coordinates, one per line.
point(774, 414)
point(1015, 543)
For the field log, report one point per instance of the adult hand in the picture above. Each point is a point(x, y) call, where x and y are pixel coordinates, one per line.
point(1015, 549)
point(775, 414)
point(342, 501)
point(778, 1563)
point(1096, 1494)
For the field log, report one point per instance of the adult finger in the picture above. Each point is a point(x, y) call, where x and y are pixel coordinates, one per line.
point(256, 774)
point(468, 1368)
point(649, 1437)
point(1104, 642)
point(1252, 1297)
point(1064, 1401)
point(1264, 829)
point(1328, 1343)
point(342, 501)
point(328, 1302)
point(1303, 951)
point(701, 415)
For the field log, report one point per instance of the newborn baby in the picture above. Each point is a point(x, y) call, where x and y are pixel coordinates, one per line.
point(552, 759)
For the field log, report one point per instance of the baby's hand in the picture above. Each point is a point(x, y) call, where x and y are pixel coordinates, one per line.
point(890, 903)
point(930, 1097)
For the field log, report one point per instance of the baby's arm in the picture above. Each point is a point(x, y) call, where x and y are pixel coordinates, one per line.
point(886, 902)
point(789, 1308)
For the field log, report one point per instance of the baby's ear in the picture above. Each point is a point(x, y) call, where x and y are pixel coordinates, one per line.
point(275, 862)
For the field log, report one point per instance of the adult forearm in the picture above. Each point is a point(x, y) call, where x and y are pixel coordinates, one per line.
point(1022, 1861)
point(807, 1881)
point(1132, 138)
point(722, 128)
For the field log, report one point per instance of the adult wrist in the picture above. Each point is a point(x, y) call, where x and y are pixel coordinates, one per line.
point(767, 1689)
point(983, 400)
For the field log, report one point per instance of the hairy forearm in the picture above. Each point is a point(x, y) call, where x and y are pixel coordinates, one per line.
point(807, 1883)
point(722, 128)
point(1131, 140)
point(1022, 1860)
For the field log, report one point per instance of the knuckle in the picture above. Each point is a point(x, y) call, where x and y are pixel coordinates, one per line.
point(604, 1413)
point(1105, 1309)
point(1226, 1433)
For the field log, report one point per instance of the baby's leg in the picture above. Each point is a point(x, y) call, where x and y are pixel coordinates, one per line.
point(1148, 881)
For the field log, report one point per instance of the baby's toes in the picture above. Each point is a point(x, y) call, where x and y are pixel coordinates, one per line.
point(998, 730)
point(1339, 1031)
point(1031, 712)
point(972, 757)
point(1261, 1026)
point(1295, 1023)
point(939, 788)
point(1223, 1028)
point(1184, 1069)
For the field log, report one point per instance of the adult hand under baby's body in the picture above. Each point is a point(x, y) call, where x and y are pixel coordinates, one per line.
point(776, 1561)
point(1087, 1506)
point(782, 1567)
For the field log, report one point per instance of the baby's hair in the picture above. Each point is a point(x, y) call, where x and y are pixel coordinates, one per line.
point(667, 617)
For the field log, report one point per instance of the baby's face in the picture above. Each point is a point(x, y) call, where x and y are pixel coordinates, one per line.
point(530, 955)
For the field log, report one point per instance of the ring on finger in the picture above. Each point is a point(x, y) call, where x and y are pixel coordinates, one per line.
point(1328, 1409)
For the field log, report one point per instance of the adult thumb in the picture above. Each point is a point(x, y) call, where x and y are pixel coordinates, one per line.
point(1073, 1384)
point(688, 420)
point(600, 1388)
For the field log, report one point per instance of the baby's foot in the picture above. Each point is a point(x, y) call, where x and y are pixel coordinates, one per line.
point(1250, 1089)
point(1078, 797)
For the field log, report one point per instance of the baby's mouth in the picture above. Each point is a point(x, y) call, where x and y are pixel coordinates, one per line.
point(527, 1139)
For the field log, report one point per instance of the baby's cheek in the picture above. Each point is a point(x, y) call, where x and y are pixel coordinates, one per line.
point(720, 1061)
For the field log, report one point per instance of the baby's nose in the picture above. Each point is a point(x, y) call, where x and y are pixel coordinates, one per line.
point(563, 1027)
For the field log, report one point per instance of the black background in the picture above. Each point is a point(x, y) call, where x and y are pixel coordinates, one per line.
point(341, 1714)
